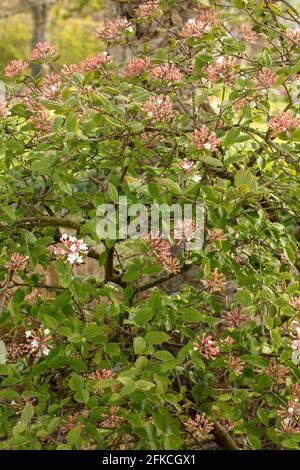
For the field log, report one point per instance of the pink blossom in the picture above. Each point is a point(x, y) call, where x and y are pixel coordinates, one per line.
point(51, 85)
point(294, 35)
point(200, 427)
point(30, 298)
point(15, 68)
point(284, 122)
point(72, 249)
point(162, 250)
point(43, 51)
point(167, 72)
point(17, 262)
point(206, 140)
point(38, 341)
point(248, 34)
point(40, 122)
point(96, 62)
point(235, 363)
point(236, 317)
point(103, 374)
point(204, 22)
point(266, 78)
point(215, 282)
point(222, 69)
point(147, 8)
point(113, 30)
point(73, 421)
point(159, 108)
point(68, 70)
point(136, 67)
point(186, 165)
point(206, 346)
point(112, 420)
point(277, 371)
point(185, 230)
point(290, 415)
point(217, 234)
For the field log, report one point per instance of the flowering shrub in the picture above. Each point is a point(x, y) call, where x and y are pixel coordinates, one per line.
point(141, 344)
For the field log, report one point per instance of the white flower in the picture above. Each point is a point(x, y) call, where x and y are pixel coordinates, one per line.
point(46, 331)
point(34, 344)
point(64, 237)
point(46, 351)
point(28, 333)
point(83, 246)
point(196, 178)
point(80, 259)
point(130, 29)
point(73, 239)
point(291, 410)
point(72, 258)
point(207, 146)
point(150, 114)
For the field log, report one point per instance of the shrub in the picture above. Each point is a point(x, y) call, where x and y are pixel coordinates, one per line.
point(111, 355)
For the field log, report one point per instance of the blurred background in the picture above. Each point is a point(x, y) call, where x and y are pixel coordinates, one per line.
point(66, 23)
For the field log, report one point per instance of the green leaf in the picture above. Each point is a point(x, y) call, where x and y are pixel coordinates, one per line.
point(231, 136)
point(173, 187)
point(156, 337)
point(144, 385)
point(76, 382)
point(139, 345)
point(113, 193)
point(27, 413)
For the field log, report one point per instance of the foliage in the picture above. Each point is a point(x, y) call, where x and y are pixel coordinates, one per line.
point(108, 356)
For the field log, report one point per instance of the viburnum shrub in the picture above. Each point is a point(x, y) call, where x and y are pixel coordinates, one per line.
point(139, 343)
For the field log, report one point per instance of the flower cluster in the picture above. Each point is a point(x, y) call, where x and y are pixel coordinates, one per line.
point(96, 62)
point(39, 341)
point(15, 68)
point(113, 30)
point(100, 375)
point(215, 282)
point(136, 67)
point(17, 262)
point(112, 420)
point(277, 371)
point(51, 86)
point(159, 108)
point(222, 69)
point(72, 249)
point(235, 364)
point(167, 72)
point(200, 427)
point(248, 34)
point(204, 22)
point(266, 78)
point(294, 35)
point(217, 234)
point(236, 317)
point(284, 122)
point(72, 422)
point(206, 140)
point(206, 347)
point(290, 416)
point(162, 250)
point(186, 165)
point(147, 8)
point(43, 51)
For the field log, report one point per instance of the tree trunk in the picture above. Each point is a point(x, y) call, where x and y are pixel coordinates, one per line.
point(40, 10)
